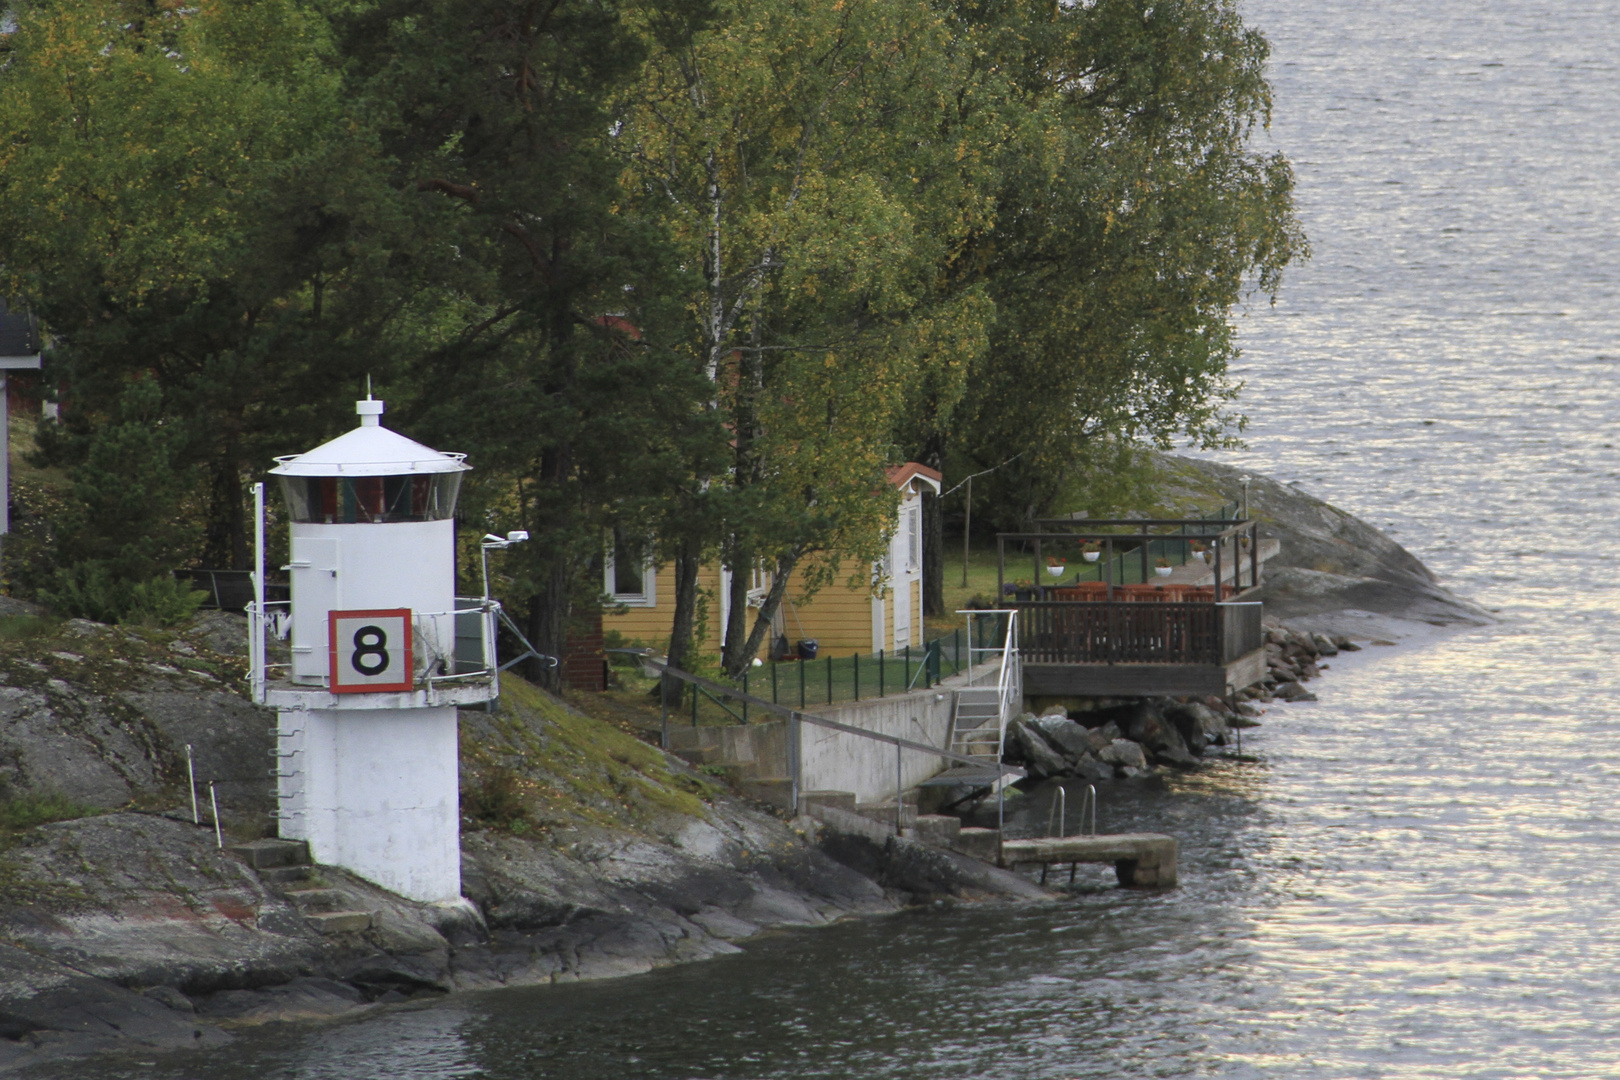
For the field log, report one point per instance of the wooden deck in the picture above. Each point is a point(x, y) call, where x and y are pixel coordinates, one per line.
point(1118, 627)
point(1132, 649)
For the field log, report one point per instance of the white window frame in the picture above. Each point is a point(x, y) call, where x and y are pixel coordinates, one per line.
point(913, 516)
point(647, 597)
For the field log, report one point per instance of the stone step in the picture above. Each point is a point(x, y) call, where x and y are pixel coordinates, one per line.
point(263, 854)
point(284, 875)
point(339, 922)
point(314, 899)
point(939, 829)
point(883, 814)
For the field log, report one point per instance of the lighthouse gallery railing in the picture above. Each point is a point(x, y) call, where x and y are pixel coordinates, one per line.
point(469, 658)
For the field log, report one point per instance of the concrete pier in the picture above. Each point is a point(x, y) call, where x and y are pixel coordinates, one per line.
point(1141, 860)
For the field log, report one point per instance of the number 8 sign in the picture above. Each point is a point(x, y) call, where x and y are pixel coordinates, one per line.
point(370, 651)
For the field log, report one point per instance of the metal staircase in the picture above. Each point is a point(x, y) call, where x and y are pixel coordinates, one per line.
point(980, 714)
point(975, 724)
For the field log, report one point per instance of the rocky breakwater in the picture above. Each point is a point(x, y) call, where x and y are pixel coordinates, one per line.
point(1128, 739)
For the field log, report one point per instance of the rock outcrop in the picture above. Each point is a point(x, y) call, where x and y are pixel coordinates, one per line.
point(586, 854)
point(1335, 574)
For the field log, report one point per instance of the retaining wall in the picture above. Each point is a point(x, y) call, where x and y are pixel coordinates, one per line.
point(835, 760)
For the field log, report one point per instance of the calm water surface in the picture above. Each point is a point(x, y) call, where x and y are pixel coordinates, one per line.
point(1421, 877)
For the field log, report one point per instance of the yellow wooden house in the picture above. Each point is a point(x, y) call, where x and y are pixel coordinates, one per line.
point(886, 615)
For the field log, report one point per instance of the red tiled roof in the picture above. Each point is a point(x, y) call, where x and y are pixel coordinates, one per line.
point(901, 475)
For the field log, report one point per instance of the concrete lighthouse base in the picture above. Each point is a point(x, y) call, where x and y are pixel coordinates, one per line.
point(376, 791)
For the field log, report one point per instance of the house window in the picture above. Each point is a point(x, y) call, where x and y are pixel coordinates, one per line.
point(914, 538)
point(629, 577)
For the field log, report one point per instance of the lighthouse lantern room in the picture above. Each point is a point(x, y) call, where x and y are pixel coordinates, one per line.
point(381, 654)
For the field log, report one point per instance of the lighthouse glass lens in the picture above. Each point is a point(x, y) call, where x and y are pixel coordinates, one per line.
point(350, 500)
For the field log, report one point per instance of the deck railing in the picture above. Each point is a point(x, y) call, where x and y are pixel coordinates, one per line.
point(1055, 632)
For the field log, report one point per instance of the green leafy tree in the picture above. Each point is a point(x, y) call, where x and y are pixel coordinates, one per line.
point(1134, 216)
point(548, 359)
point(186, 205)
point(799, 159)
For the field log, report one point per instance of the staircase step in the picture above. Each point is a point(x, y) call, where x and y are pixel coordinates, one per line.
point(883, 814)
point(316, 899)
point(284, 875)
point(939, 829)
point(262, 854)
point(340, 922)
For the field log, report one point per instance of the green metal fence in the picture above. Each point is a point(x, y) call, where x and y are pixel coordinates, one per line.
point(830, 680)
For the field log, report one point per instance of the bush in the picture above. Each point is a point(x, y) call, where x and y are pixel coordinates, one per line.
point(91, 590)
point(496, 799)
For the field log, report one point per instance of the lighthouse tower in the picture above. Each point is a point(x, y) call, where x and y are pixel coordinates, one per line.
point(382, 653)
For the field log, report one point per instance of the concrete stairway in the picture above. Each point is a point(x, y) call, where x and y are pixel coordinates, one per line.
point(286, 870)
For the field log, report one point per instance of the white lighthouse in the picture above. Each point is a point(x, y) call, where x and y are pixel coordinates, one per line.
point(382, 653)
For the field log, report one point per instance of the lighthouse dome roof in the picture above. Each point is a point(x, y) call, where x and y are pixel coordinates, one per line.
point(370, 450)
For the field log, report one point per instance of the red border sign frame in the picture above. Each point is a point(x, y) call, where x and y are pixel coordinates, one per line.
point(370, 688)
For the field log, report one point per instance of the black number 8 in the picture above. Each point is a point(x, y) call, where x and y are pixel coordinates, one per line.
point(370, 641)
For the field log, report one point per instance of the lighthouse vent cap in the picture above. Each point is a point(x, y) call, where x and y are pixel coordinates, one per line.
point(370, 450)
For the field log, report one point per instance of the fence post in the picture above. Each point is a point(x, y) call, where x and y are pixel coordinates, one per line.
point(829, 678)
point(801, 680)
point(881, 689)
point(855, 664)
point(905, 677)
point(694, 704)
point(745, 692)
point(663, 720)
point(794, 764)
point(899, 795)
point(774, 665)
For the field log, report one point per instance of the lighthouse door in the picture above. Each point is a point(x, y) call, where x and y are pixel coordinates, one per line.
point(314, 576)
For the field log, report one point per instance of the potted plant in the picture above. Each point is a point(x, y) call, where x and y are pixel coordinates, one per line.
point(1024, 589)
point(1055, 566)
point(1200, 550)
point(1091, 550)
point(1163, 568)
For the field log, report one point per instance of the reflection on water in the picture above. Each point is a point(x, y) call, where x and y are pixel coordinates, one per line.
point(1420, 878)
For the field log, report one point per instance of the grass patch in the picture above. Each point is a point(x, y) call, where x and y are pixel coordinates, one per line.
point(26, 627)
point(42, 808)
point(537, 764)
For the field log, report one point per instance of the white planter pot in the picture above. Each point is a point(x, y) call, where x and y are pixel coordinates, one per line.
point(1163, 571)
point(1056, 571)
point(1092, 556)
point(1201, 556)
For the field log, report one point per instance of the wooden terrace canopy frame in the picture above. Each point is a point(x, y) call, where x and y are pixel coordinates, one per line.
point(1224, 538)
